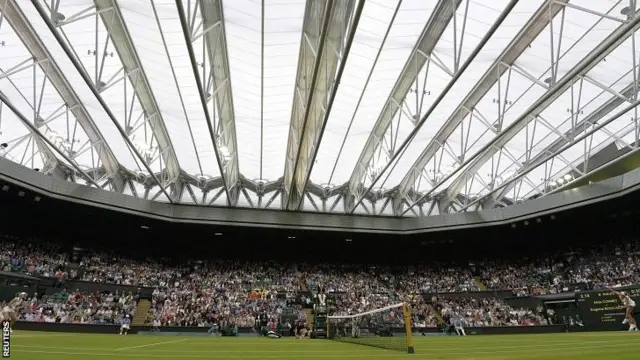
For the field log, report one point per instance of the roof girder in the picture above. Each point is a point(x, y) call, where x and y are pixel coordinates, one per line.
point(215, 38)
point(121, 40)
point(14, 16)
point(516, 47)
point(585, 65)
point(344, 54)
point(96, 93)
point(51, 162)
point(433, 30)
point(352, 202)
point(593, 118)
point(44, 142)
point(324, 29)
point(489, 201)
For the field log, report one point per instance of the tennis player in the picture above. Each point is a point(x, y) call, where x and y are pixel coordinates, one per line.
point(9, 311)
point(458, 324)
point(630, 305)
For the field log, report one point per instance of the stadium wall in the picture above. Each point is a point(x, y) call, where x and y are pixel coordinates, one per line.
point(113, 329)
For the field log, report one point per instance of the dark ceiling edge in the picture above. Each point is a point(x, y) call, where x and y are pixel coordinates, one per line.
point(63, 190)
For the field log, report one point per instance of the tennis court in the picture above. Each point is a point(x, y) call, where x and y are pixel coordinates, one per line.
point(583, 346)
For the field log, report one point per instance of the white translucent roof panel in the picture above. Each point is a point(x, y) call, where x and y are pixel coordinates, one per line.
point(242, 21)
point(480, 20)
point(282, 34)
point(102, 121)
point(283, 27)
point(402, 38)
point(161, 47)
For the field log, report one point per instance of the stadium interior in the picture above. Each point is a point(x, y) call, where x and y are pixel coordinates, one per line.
point(330, 179)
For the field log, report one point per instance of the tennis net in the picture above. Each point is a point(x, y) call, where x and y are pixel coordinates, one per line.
point(388, 328)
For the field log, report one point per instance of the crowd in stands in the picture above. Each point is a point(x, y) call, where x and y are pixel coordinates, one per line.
point(78, 307)
point(201, 293)
point(601, 267)
point(480, 312)
point(224, 291)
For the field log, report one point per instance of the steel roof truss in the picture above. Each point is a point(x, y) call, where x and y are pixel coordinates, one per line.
point(505, 63)
point(119, 36)
point(421, 56)
point(14, 16)
point(50, 16)
point(575, 75)
point(321, 50)
point(214, 84)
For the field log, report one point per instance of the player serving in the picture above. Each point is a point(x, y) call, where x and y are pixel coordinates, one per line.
point(629, 304)
point(9, 311)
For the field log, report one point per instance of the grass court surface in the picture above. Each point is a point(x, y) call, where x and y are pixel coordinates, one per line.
point(583, 346)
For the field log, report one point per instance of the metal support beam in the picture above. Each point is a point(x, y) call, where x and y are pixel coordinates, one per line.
point(324, 30)
point(358, 185)
point(32, 128)
point(76, 63)
point(217, 49)
point(14, 16)
point(433, 30)
point(334, 91)
point(52, 164)
point(536, 24)
point(553, 148)
point(121, 39)
point(547, 156)
point(475, 163)
point(216, 42)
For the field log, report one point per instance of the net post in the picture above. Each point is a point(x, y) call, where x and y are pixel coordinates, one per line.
point(406, 312)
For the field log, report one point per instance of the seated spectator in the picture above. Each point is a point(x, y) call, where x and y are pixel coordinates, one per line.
point(78, 307)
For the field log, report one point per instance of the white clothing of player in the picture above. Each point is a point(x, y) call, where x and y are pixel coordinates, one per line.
point(629, 301)
point(458, 326)
point(7, 310)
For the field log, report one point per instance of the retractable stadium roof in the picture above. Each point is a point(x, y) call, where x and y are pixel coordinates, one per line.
point(398, 107)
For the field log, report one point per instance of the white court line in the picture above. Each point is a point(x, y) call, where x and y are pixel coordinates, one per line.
point(222, 354)
point(152, 344)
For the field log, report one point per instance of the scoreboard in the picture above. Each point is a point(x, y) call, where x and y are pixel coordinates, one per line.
point(602, 309)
